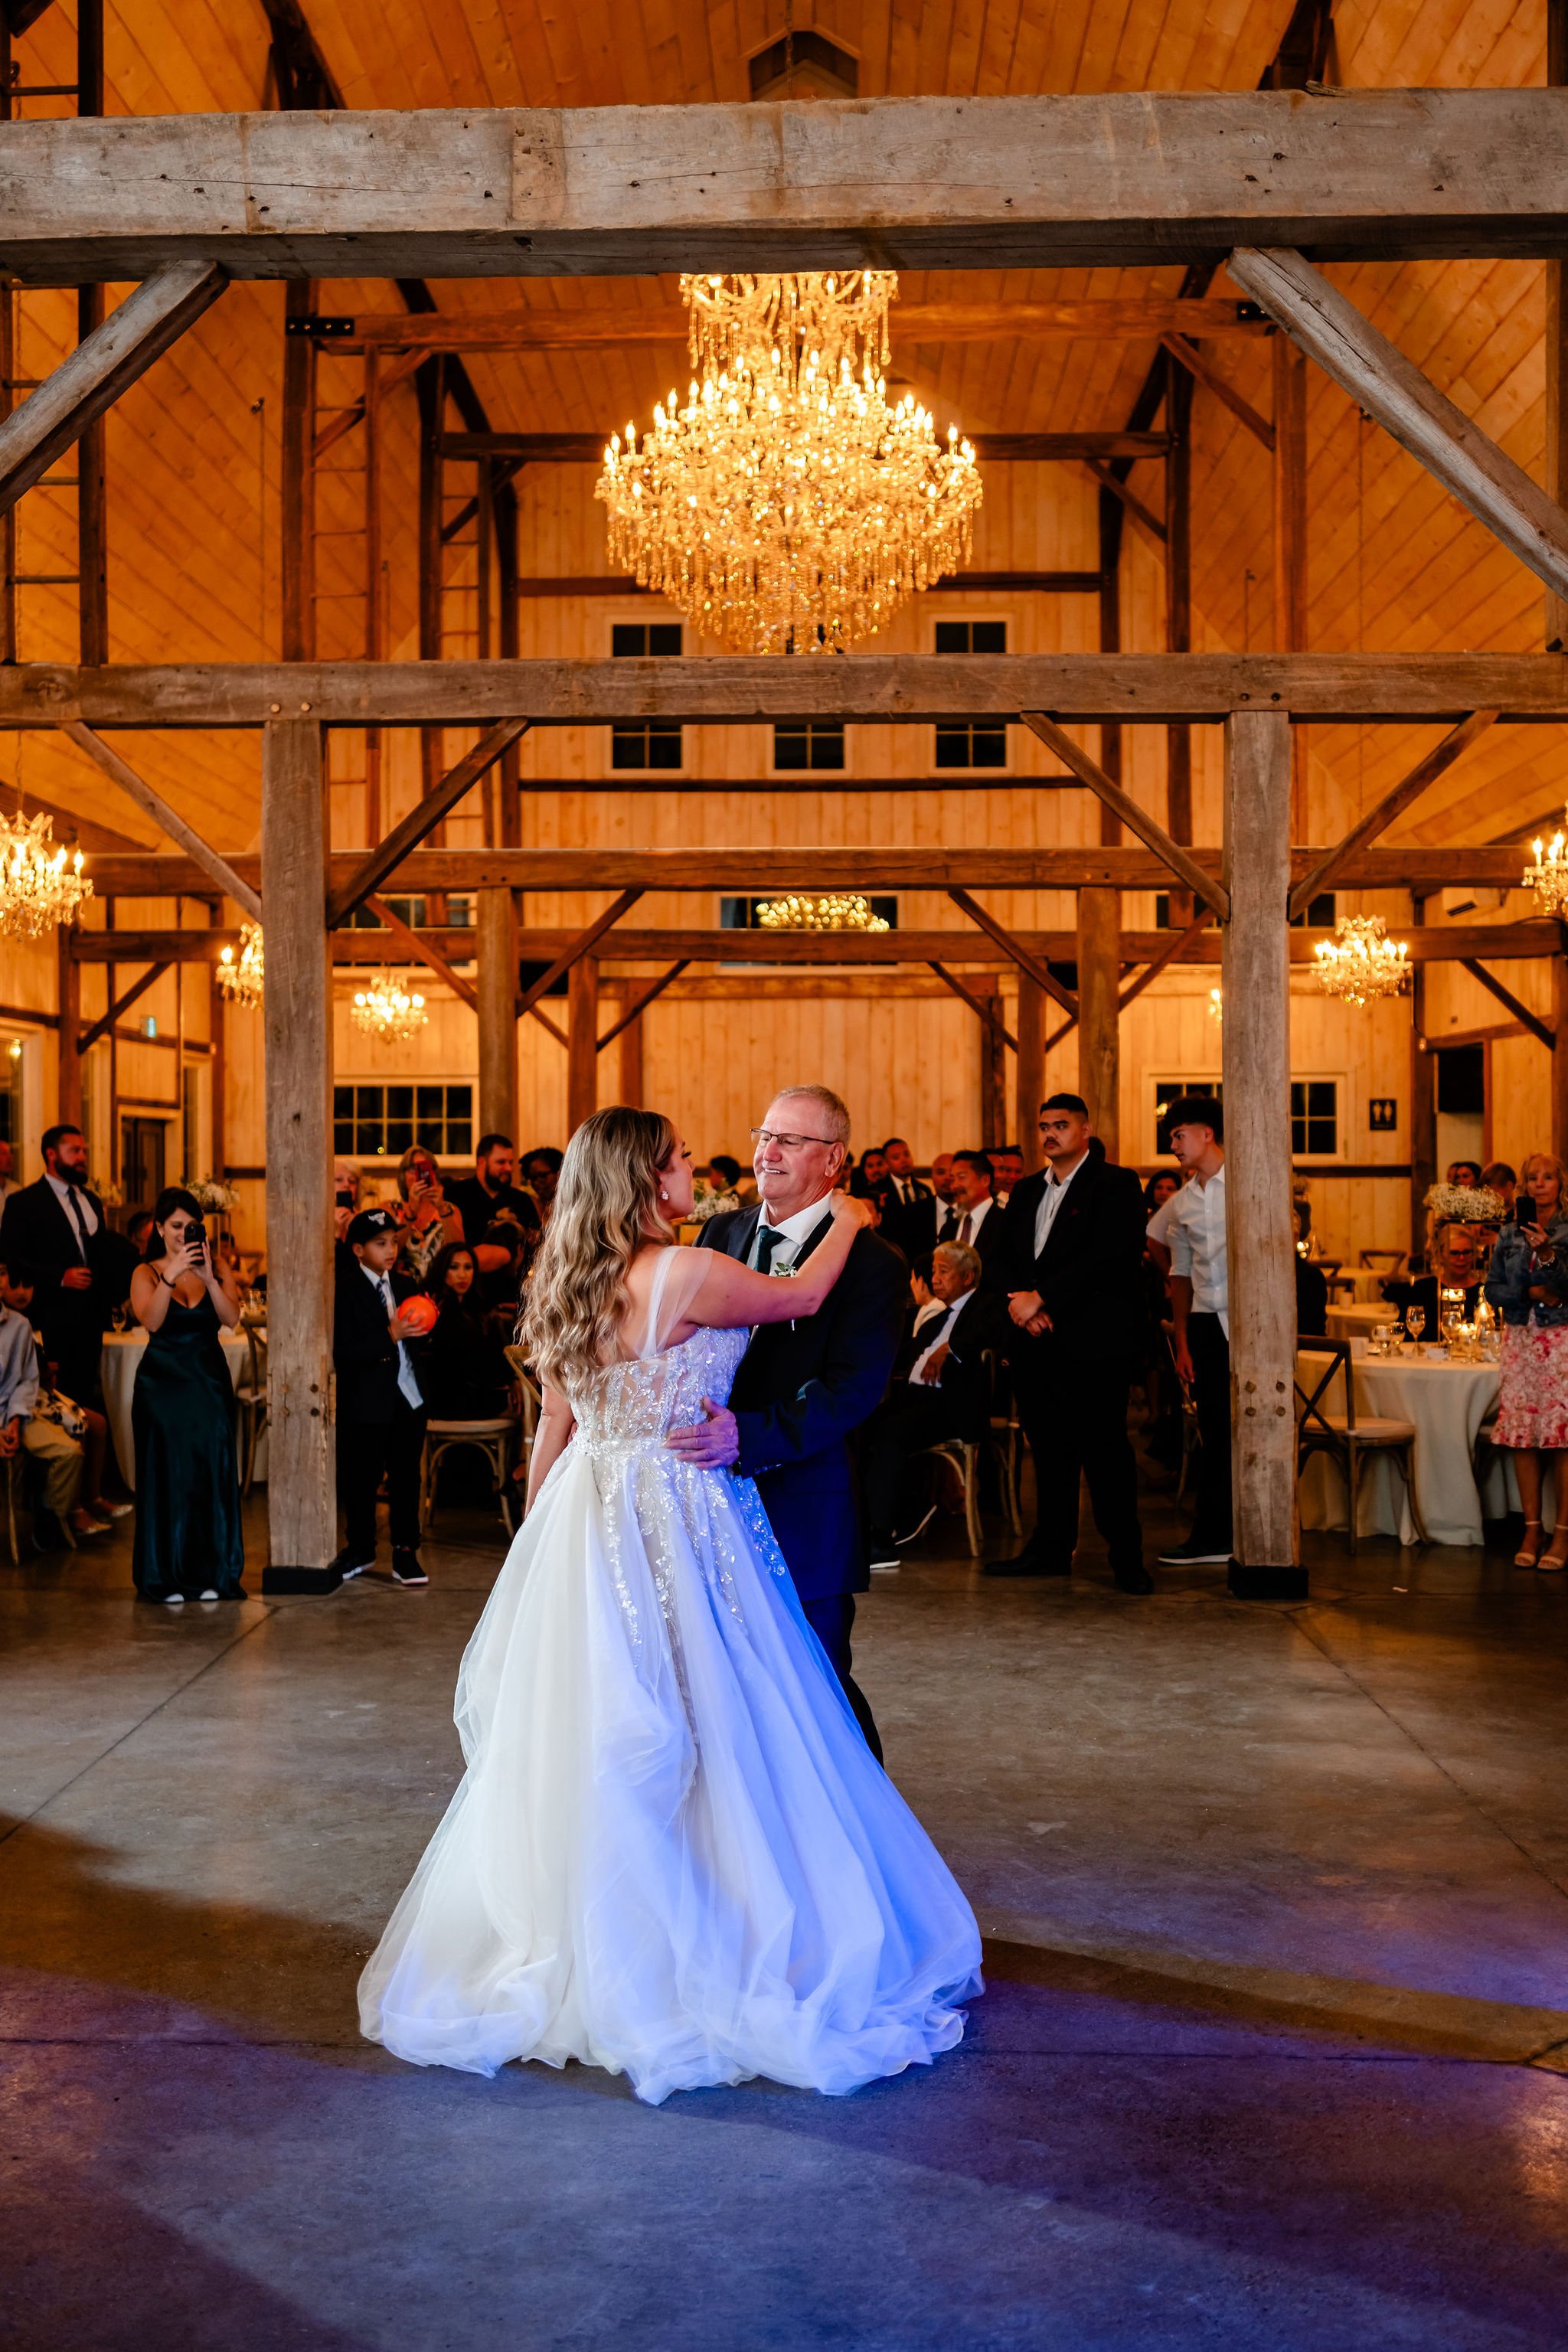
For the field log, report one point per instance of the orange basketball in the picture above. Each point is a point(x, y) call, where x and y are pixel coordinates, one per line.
point(419, 1312)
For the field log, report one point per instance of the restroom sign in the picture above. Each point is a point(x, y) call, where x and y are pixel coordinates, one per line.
point(1383, 1113)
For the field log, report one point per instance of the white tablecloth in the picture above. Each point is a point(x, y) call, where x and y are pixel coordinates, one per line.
point(1368, 1280)
point(1446, 1404)
point(120, 1363)
point(1358, 1322)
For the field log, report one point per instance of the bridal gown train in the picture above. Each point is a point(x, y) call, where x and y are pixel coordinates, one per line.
point(672, 1854)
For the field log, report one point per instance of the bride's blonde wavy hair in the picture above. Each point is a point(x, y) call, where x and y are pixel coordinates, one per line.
point(607, 1208)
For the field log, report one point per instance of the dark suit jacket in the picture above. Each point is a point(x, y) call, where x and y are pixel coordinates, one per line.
point(992, 1243)
point(38, 1231)
point(801, 1387)
point(364, 1349)
point(964, 1388)
point(1089, 1274)
point(909, 1225)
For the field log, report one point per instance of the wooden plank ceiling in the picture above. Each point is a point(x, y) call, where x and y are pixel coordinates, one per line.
point(1393, 564)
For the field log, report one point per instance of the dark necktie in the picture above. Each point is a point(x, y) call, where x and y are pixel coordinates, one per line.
point(768, 1240)
point(78, 1220)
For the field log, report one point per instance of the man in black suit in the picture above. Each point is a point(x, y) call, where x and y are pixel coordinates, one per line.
point(801, 1387)
point(942, 1388)
point(908, 1206)
point(381, 1406)
point(58, 1226)
point(1076, 1236)
point(973, 1218)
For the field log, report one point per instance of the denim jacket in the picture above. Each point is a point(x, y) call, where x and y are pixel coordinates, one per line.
point(1510, 1275)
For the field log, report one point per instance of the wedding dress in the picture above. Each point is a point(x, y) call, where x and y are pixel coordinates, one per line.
point(672, 1854)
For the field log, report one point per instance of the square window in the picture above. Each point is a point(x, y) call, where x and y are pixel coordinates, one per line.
point(1314, 1117)
point(649, 743)
point(970, 637)
point(400, 1103)
point(429, 1102)
point(961, 744)
point(808, 743)
point(344, 1137)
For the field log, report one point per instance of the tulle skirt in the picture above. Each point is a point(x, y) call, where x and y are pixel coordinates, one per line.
point(672, 1854)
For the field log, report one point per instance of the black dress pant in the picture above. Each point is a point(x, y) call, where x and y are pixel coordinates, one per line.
point(369, 1451)
point(1210, 1351)
point(832, 1619)
point(1074, 1415)
point(911, 1418)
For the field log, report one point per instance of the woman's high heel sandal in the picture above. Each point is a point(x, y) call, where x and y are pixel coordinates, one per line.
point(1556, 1560)
point(1530, 1556)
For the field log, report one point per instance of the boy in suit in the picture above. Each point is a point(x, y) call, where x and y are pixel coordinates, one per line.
point(381, 1407)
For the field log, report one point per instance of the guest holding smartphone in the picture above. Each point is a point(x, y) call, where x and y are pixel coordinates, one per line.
point(431, 1221)
point(1527, 1284)
point(188, 1543)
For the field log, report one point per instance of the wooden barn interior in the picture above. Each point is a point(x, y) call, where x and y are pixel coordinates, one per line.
point(306, 615)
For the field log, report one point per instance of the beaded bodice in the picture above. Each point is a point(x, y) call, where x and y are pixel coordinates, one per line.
point(638, 1400)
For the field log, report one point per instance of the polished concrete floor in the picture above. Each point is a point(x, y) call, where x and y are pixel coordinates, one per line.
point(1272, 2057)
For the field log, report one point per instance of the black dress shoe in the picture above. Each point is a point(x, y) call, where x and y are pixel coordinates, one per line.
point(1194, 1553)
point(1027, 1563)
point(349, 1565)
point(1134, 1579)
point(406, 1569)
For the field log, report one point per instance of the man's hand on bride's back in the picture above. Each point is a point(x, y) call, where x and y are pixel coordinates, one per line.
point(713, 1442)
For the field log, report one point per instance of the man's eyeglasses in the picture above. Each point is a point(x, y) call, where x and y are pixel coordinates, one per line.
point(787, 1142)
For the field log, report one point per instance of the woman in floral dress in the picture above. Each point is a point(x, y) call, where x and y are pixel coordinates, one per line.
point(1527, 1284)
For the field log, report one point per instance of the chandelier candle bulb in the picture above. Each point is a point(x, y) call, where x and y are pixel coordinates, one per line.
point(385, 1009)
point(241, 977)
point(41, 886)
point(1548, 876)
point(1361, 963)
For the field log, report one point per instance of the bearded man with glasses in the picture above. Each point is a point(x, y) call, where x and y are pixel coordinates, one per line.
point(803, 1386)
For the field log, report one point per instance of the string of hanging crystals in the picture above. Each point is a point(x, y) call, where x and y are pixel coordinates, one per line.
point(786, 507)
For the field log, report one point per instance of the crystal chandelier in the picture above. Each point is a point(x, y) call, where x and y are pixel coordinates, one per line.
point(240, 977)
point(786, 507)
point(386, 1009)
point(40, 886)
point(1217, 1004)
point(835, 911)
point(1548, 876)
point(1360, 963)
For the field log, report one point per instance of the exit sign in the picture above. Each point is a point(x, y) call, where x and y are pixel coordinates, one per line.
point(1382, 1114)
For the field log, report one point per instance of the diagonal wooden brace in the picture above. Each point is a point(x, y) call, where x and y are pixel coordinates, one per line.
point(1182, 863)
point(1025, 961)
point(639, 1004)
point(1377, 820)
point(1392, 389)
point(105, 1022)
point(154, 805)
point(431, 957)
point(93, 376)
point(423, 818)
point(976, 1004)
point(583, 944)
point(1193, 360)
point(1505, 996)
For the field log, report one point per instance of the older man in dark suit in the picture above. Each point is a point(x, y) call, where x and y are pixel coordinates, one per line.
point(942, 1388)
point(803, 1387)
point(1076, 1240)
point(58, 1227)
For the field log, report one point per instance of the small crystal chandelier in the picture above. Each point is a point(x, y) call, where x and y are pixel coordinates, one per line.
point(1360, 963)
point(386, 1009)
point(240, 977)
point(1548, 876)
point(835, 911)
point(786, 507)
point(1217, 1004)
point(40, 887)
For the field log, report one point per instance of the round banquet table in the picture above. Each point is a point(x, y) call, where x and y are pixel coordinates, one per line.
point(121, 1362)
point(1368, 1282)
point(1358, 1322)
point(1446, 1404)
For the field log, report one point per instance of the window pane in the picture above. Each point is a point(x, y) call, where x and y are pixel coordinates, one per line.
point(663, 747)
point(734, 914)
point(369, 1102)
point(428, 1102)
point(629, 637)
point(827, 746)
point(953, 637)
point(988, 636)
point(460, 911)
point(430, 1134)
point(400, 1103)
point(791, 747)
point(343, 1102)
point(344, 1135)
point(628, 747)
point(953, 748)
point(459, 1102)
point(663, 637)
point(988, 747)
point(459, 1136)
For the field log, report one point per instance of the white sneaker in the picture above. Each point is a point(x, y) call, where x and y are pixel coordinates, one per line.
point(173, 1600)
point(209, 1594)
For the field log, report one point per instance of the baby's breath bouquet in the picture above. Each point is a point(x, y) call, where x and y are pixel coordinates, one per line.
point(210, 1193)
point(1466, 1204)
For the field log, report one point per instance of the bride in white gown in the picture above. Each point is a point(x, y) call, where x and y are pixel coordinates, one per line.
point(672, 1854)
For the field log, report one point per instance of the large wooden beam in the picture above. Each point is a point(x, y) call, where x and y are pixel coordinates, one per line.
point(1440, 436)
point(1227, 393)
point(1180, 861)
point(1538, 1029)
point(1013, 948)
point(574, 948)
point(1118, 180)
point(1015, 448)
point(215, 868)
point(498, 1011)
point(988, 1008)
point(1377, 820)
point(428, 954)
point(1133, 318)
point(67, 1061)
point(1029, 1076)
point(1260, 1243)
point(423, 817)
point(91, 378)
point(297, 1007)
point(904, 689)
point(1083, 867)
point(1099, 1013)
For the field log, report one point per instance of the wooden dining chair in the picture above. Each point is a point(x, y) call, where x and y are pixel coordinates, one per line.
point(1348, 1436)
point(1192, 1440)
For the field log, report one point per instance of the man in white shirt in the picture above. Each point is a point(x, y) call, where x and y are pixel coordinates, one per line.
point(1192, 1223)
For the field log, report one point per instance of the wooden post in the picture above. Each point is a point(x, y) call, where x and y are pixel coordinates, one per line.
point(67, 1097)
point(297, 1009)
point(1556, 345)
point(581, 1041)
point(92, 486)
point(1098, 1013)
point(1266, 1565)
point(498, 1013)
point(375, 598)
point(510, 832)
point(1179, 609)
point(1423, 1103)
point(1560, 1051)
point(1290, 541)
point(298, 552)
point(1111, 518)
point(993, 1072)
point(632, 1083)
point(430, 387)
point(1030, 1088)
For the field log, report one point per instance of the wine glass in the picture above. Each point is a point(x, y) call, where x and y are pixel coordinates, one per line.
point(1414, 1321)
point(117, 1319)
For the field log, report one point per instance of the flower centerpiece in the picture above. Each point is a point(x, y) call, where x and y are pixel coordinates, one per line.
point(1466, 1204)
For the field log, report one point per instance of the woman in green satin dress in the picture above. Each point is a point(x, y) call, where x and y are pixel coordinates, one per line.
point(188, 1543)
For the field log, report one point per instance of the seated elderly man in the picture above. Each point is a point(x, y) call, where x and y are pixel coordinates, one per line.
point(941, 1387)
point(1457, 1250)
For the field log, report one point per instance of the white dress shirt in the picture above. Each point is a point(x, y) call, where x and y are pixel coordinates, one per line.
point(71, 1197)
point(1195, 1234)
point(941, 1332)
point(793, 1232)
point(406, 1380)
point(1050, 1200)
point(975, 1218)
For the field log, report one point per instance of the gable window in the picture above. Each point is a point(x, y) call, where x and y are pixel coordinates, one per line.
point(808, 743)
point(970, 743)
point(644, 743)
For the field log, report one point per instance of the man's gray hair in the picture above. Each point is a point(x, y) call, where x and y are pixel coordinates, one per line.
point(960, 1255)
point(832, 1112)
